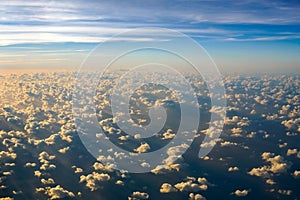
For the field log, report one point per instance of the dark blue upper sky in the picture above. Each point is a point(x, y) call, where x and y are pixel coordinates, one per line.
point(243, 35)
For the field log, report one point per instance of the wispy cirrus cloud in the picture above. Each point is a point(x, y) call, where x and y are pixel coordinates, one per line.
point(60, 33)
point(95, 21)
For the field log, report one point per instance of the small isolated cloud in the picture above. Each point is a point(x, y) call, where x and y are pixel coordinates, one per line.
point(296, 174)
point(101, 167)
point(44, 159)
point(119, 182)
point(167, 188)
point(162, 169)
point(241, 193)
point(78, 170)
point(277, 165)
point(193, 196)
point(227, 143)
point(48, 181)
point(285, 192)
point(192, 185)
point(56, 192)
point(5, 154)
point(138, 195)
point(37, 173)
point(236, 132)
point(291, 152)
point(168, 134)
point(92, 180)
point(231, 169)
point(64, 150)
point(143, 148)
point(270, 182)
point(30, 164)
point(291, 124)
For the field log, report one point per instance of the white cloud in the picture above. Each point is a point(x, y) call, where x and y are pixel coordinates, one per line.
point(167, 188)
point(193, 196)
point(285, 192)
point(56, 192)
point(168, 134)
point(143, 148)
point(270, 182)
point(231, 169)
point(291, 152)
point(296, 174)
point(277, 165)
point(241, 193)
point(92, 180)
point(192, 185)
point(138, 195)
point(100, 166)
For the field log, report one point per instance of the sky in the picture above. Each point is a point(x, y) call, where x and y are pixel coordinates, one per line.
point(246, 36)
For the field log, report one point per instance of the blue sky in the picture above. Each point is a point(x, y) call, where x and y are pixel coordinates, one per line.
point(250, 35)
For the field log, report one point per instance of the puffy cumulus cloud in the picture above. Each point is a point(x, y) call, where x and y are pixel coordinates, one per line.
point(259, 100)
point(227, 143)
point(30, 164)
point(291, 123)
point(163, 169)
point(212, 131)
point(277, 164)
point(206, 158)
point(48, 181)
point(236, 120)
point(37, 173)
point(241, 193)
point(296, 174)
point(9, 173)
point(145, 164)
point(142, 148)
point(119, 182)
point(236, 132)
point(52, 139)
point(244, 122)
point(167, 188)
point(78, 170)
point(291, 152)
point(56, 192)
point(193, 196)
point(175, 153)
point(10, 164)
point(232, 169)
point(5, 155)
point(47, 166)
point(270, 182)
point(168, 134)
point(44, 158)
point(173, 162)
point(100, 166)
point(192, 185)
point(232, 120)
point(211, 143)
point(92, 180)
point(63, 150)
point(283, 145)
point(285, 192)
point(12, 142)
point(138, 195)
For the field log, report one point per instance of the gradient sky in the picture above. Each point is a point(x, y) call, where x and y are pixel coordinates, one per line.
point(248, 36)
